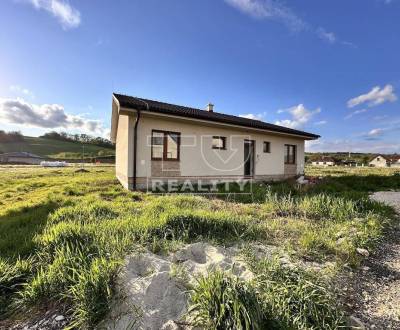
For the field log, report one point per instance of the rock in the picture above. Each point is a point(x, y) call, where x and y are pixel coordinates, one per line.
point(363, 252)
point(59, 318)
point(170, 325)
point(355, 323)
point(339, 234)
point(301, 180)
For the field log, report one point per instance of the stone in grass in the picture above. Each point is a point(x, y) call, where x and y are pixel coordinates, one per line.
point(363, 252)
point(355, 323)
point(341, 240)
point(60, 318)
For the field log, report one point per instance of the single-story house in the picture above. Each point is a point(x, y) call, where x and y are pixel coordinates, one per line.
point(324, 161)
point(156, 140)
point(20, 158)
point(385, 161)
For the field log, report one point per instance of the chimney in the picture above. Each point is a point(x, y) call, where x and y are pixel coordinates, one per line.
point(210, 107)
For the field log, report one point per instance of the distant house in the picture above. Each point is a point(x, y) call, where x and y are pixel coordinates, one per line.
point(20, 158)
point(395, 161)
point(379, 161)
point(385, 161)
point(324, 161)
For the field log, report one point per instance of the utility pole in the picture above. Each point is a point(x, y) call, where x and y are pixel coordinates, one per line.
point(83, 155)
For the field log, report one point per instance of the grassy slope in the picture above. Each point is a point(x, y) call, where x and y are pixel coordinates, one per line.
point(52, 148)
point(72, 230)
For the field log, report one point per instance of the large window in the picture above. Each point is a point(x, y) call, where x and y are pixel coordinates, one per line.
point(219, 142)
point(267, 147)
point(290, 154)
point(165, 145)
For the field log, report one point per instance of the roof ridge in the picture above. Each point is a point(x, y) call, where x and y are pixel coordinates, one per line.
point(167, 103)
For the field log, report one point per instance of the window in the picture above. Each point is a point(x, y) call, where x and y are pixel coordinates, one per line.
point(290, 154)
point(165, 145)
point(267, 147)
point(219, 142)
point(157, 145)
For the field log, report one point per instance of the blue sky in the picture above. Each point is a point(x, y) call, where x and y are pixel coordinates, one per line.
point(329, 67)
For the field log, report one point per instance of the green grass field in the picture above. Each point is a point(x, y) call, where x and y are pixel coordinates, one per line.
point(350, 171)
point(64, 235)
point(54, 148)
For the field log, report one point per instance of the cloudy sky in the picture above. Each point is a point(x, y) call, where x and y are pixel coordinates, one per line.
point(329, 67)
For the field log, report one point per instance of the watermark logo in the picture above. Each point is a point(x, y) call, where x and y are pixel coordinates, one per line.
point(199, 186)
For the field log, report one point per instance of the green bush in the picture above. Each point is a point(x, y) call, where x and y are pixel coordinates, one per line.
point(12, 278)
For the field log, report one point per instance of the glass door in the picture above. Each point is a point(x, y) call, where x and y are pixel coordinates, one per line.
point(248, 157)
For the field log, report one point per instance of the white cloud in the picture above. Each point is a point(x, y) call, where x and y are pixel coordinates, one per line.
point(257, 116)
point(375, 132)
point(19, 112)
point(270, 9)
point(278, 11)
point(346, 145)
point(325, 35)
point(21, 90)
point(321, 122)
point(374, 97)
point(67, 16)
point(300, 116)
point(354, 113)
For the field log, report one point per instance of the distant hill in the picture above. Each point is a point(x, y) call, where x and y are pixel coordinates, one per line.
point(55, 148)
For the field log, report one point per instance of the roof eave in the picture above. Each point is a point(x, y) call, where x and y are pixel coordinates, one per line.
point(307, 136)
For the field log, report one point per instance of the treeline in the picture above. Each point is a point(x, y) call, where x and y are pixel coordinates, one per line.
point(11, 136)
point(82, 138)
point(359, 157)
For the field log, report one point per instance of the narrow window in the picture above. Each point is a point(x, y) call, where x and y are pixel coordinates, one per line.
point(219, 142)
point(157, 145)
point(172, 146)
point(290, 154)
point(267, 147)
point(165, 145)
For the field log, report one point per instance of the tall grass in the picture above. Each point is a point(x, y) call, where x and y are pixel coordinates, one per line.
point(278, 298)
point(221, 301)
point(297, 299)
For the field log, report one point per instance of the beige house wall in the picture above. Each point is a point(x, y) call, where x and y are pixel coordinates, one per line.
point(124, 150)
point(197, 158)
point(378, 161)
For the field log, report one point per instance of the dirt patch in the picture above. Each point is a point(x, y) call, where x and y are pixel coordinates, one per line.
point(154, 290)
point(374, 294)
point(82, 170)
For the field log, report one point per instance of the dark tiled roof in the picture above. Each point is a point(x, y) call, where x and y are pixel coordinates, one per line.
point(379, 155)
point(177, 110)
point(395, 158)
